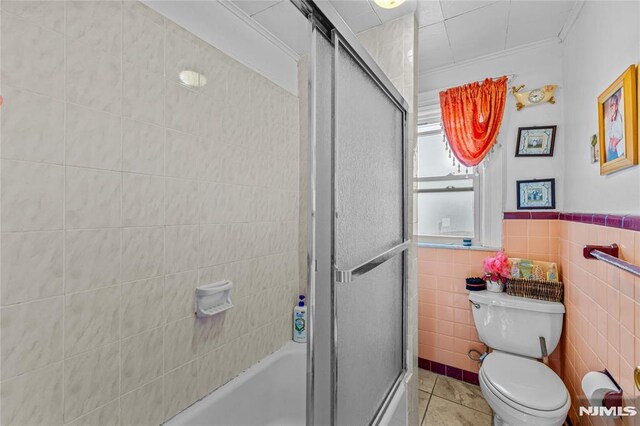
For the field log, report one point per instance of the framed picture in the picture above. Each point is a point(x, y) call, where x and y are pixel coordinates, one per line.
point(536, 194)
point(618, 124)
point(536, 141)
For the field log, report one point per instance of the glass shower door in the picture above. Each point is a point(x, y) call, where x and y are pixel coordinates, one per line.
point(369, 240)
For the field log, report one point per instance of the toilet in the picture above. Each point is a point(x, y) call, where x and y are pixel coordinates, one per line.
point(519, 388)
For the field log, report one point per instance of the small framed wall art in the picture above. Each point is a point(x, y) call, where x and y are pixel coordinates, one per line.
point(536, 194)
point(536, 141)
point(618, 124)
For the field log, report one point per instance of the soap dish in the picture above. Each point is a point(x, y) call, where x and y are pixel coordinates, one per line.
point(214, 298)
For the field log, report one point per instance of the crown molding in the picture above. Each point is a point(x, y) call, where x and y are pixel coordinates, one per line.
point(491, 56)
point(571, 19)
point(233, 8)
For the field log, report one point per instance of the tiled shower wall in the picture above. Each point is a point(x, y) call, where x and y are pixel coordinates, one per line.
point(121, 190)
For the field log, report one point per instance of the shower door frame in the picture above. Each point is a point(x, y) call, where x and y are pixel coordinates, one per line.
point(326, 22)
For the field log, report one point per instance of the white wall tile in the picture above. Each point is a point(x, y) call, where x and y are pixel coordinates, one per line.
point(141, 359)
point(32, 196)
point(91, 319)
point(179, 295)
point(31, 265)
point(93, 198)
point(181, 202)
point(143, 406)
point(143, 37)
point(153, 178)
point(107, 415)
point(142, 147)
point(180, 388)
point(92, 259)
point(181, 253)
point(41, 138)
point(31, 336)
point(181, 51)
point(32, 57)
point(143, 94)
point(182, 152)
point(180, 343)
point(91, 380)
point(94, 79)
point(93, 138)
point(142, 253)
point(34, 398)
point(96, 25)
point(181, 107)
point(46, 14)
point(142, 306)
point(142, 200)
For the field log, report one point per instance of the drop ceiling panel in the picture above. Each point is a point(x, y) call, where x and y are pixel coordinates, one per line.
point(286, 22)
point(252, 7)
point(451, 8)
point(429, 12)
point(359, 15)
point(386, 15)
point(533, 21)
point(434, 47)
point(478, 32)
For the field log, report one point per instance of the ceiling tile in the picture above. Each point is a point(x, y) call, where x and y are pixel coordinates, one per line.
point(286, 22)
point(479, 32)
point(451, 8)
point(358, 15)
point(254, 6)
point(434, 47)
point(349, 9)
point(429, 12)
point(531, 21)
point(386, 15)
point(364, 22)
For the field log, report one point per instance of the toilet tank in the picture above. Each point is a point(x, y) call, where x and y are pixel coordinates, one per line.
point(515, 324)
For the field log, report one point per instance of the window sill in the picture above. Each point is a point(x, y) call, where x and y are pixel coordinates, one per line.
point(457, 247)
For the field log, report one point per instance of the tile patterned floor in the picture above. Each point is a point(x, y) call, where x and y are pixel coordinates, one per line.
point(448, 402)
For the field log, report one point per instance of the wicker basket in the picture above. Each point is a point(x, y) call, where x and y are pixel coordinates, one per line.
point(552, 291)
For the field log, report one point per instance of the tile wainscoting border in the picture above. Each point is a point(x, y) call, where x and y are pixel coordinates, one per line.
point(629, 222)
point(449, 371)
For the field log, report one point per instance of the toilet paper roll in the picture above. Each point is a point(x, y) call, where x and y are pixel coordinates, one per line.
point(595, 385)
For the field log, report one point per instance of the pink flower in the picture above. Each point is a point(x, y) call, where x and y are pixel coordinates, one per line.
point(497, 266)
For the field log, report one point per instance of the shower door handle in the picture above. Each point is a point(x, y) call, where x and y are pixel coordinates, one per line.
point(348, 275)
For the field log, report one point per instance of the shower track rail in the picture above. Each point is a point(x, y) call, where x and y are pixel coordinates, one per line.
point(348, 275)
point(609, 254)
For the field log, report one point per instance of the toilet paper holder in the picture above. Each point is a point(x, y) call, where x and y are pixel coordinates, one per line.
point(612, 398)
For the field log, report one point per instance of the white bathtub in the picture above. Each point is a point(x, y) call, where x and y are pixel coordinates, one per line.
point(270, 393)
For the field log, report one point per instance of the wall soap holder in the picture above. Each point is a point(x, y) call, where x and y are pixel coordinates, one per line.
point(214, 298)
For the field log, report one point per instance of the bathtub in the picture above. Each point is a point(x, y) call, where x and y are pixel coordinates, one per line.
point(270, 393)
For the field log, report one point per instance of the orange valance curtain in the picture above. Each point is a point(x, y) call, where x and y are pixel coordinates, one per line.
point(471, 116)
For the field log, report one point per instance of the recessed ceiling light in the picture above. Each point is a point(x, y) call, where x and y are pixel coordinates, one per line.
point(389, 4)
point(192, 78)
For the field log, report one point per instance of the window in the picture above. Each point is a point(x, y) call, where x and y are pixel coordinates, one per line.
point(447, 200)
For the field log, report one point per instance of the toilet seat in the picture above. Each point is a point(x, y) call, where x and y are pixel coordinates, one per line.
point(525, 385)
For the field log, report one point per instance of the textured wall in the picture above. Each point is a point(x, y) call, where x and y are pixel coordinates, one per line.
point(121, 190)
point(394, 45)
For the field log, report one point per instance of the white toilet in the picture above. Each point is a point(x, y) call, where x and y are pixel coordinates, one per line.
point(520, 389)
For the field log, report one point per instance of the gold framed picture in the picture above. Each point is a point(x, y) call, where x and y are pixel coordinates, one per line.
point(618, 123)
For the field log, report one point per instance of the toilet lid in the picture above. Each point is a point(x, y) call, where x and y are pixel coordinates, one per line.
point(525, 381)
